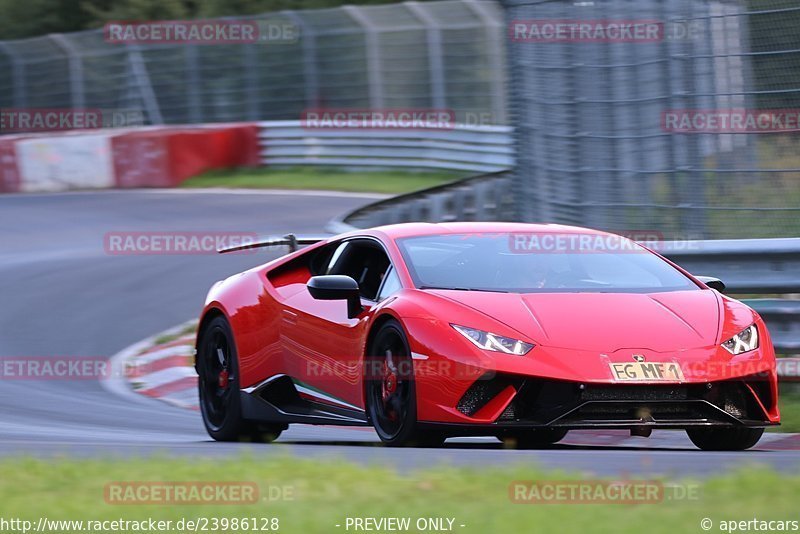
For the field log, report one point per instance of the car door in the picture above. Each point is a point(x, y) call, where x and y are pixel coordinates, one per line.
point(323, 348)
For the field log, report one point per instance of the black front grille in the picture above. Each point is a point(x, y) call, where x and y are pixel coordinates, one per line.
point(634, 393)
point(733, 397)
point(509, 414)
point(632, 411)
point(481, 392)
point(560, 402)
point(555, 402)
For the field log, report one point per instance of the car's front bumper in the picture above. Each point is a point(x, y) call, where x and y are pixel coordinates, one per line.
point(507, 401)
point(459, 384)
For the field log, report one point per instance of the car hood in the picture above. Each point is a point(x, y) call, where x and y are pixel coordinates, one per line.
point(604, 322)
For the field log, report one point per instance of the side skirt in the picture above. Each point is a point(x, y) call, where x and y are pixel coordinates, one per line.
point(279, 400)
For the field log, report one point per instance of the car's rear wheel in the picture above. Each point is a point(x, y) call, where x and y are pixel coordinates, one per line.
point(725, 439)
point(218, 386)
point(391, 392)
point(532, 439)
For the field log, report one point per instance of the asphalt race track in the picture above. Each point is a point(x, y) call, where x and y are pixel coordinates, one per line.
point(62, 295)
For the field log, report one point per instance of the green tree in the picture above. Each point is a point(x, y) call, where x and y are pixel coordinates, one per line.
point(221, 8)
point(30, 18)
point(102, 11)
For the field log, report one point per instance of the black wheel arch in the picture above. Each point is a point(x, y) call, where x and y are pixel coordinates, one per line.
point(377, 323)
point(208, 316)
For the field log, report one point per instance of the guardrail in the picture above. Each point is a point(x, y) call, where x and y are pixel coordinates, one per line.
point(783, 318)
point(479, 198)
point(747, 266)
point(464, 148)
point(759, 266)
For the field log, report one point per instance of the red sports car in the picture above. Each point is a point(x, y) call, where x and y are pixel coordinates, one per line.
point(519, 331)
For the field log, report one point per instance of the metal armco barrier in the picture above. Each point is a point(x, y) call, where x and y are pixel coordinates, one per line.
point(783, 318)
point(480, 198)
point(462, 148)
point(788, 369)
point(747, 266)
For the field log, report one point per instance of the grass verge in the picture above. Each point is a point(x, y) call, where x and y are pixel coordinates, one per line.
point(324, 494)
point(789, 399)
point(189, 329)
point(333, 179)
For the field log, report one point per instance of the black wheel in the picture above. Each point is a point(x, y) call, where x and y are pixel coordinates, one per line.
point(391, 393)
point(725, 439)
point(532, 439)
point(218, 386)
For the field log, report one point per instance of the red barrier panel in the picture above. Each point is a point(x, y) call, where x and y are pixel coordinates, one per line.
point(141, 159)
point(9, 171)
point(167, 157)
point(192, 153)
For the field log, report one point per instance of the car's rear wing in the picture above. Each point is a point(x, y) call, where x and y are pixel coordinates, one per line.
point(289, 240)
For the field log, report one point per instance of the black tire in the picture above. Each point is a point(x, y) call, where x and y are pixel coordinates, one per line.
point(725, 439)
point(391, 391)
point(533, 439)
point(218, 387)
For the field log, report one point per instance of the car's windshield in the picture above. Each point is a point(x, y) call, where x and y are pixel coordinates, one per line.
point(538, 262)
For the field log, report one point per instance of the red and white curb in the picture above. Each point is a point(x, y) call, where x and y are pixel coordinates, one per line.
point(165, 371)
point(162, 371)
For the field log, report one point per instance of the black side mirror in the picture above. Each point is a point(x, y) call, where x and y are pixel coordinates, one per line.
point(713, 283)
point(337, 287)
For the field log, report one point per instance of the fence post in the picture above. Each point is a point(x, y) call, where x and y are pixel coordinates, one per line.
point(308, 38)
point(374, 63)
point(18, 76)
point(693, 194)
point(142, 78)
point(251, 82)
point(192, 85)
point(77, 91)
point(496, 36)
point(435, 54)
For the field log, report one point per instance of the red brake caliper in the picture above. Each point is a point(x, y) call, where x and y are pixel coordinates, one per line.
point(223, 378)
point(389, 386)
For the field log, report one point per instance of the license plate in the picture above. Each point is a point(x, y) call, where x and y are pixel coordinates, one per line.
point(647, 371)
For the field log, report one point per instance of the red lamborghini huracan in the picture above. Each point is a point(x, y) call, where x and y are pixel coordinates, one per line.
point(519, 331)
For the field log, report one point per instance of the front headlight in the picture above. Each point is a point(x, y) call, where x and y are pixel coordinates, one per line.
point(744, 341)
point(489, 341)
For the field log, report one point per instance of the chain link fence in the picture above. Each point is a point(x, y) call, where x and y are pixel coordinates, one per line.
point(443, 55)
point(689, 130)
point(612, 130)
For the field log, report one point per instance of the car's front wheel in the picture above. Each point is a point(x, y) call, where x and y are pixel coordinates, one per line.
point(725, 439)
point(390, 390)
point(218, 386)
